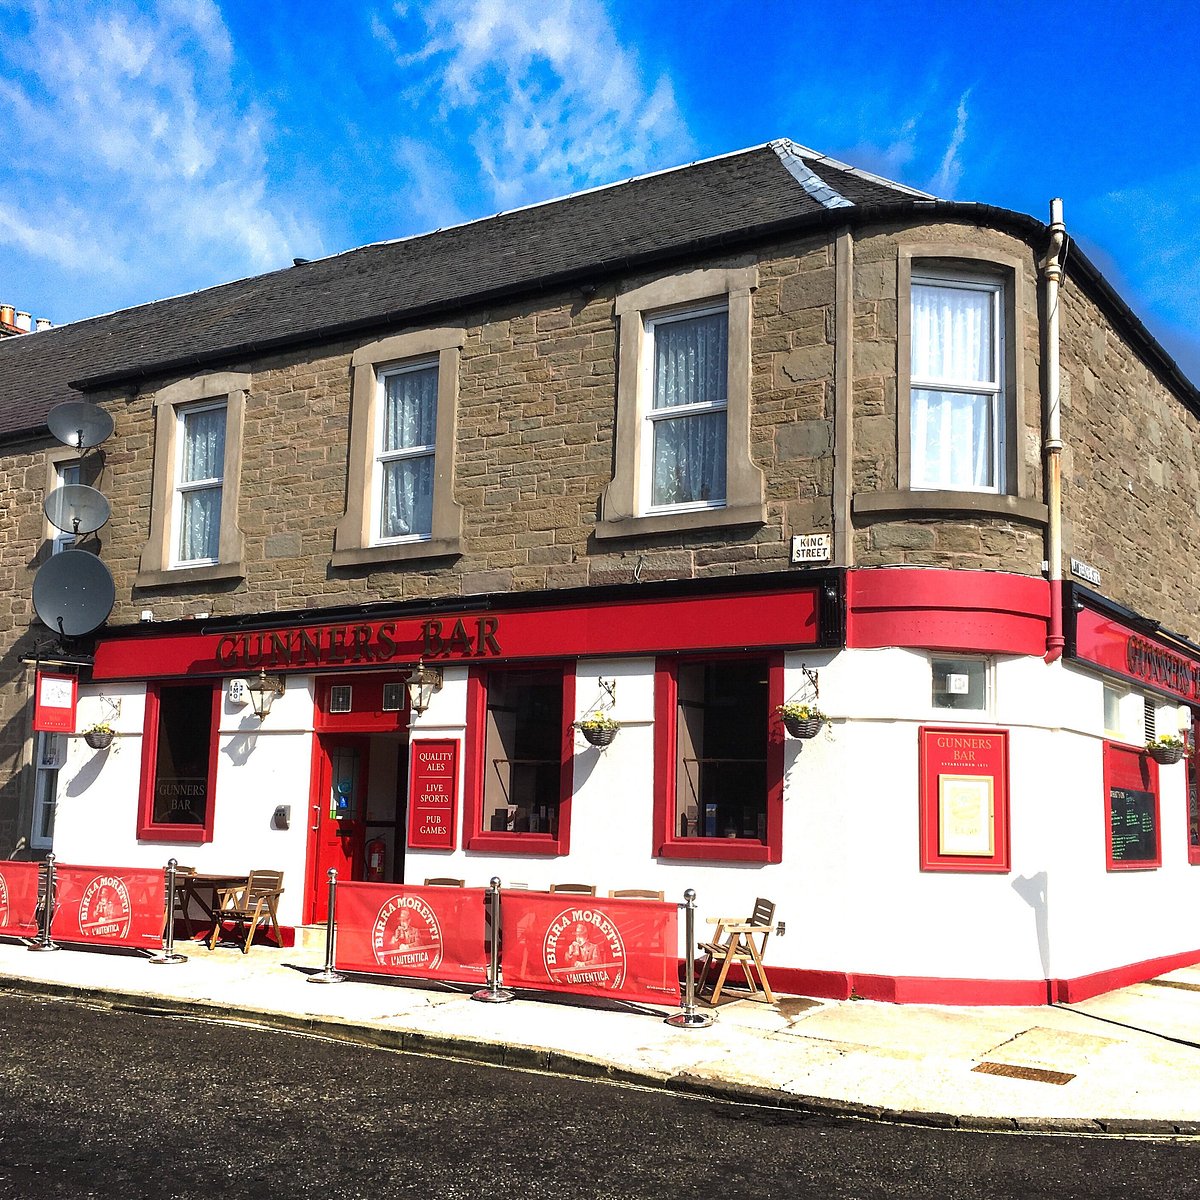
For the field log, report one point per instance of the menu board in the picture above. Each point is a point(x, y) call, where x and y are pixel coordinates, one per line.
point(433, 794)
point(1134, 825)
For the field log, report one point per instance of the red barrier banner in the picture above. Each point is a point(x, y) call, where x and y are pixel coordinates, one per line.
point(626, 949)
point(114, 906)
point(435, 932)
point(18, 898)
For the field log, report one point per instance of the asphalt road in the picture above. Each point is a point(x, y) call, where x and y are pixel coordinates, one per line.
point(119, 1104)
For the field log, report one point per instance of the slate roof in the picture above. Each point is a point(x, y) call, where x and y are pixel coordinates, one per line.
point(714, 202)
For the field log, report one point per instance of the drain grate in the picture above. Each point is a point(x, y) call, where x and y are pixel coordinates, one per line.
point(1175, 983)
point(1012, 1071)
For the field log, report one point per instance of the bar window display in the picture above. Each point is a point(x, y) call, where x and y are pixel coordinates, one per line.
point(719, 770)
point(519, 763)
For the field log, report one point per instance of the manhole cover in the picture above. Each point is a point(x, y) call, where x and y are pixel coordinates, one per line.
point(1012, 1071)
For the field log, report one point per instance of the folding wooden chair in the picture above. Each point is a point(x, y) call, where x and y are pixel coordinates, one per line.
point(578, 889)
point(742, 941)
point(635, 894)
point(445, 881)
point(248, 905)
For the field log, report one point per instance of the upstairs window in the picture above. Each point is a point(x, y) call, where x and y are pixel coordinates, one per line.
point(199, 485)
point(404, 462)
point(686, 418)
point(957, 406)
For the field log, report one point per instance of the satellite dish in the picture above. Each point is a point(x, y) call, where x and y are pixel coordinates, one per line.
point(79, 424)
point(77, 508)
point(73, 593)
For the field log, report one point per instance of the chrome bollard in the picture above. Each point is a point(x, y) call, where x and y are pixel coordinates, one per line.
point(43, 941)
point(689, 1018)
point(166, 956)
point(494, 993)
point(329, 975)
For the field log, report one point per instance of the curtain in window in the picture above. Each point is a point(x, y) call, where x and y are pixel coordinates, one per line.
point(203, 459)
point(690, 367)
point(953, 432)
point(409, 423)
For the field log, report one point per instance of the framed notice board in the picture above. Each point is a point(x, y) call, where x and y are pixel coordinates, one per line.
point(1132, 838)
point(963, 799)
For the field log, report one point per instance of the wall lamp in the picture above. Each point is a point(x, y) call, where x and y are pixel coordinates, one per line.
point(263, 691)
point(421, 684)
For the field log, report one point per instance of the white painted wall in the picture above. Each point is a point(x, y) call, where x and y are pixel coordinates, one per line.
point(850, 888)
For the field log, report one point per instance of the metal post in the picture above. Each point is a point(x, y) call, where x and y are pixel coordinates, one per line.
point(167, 955)
point(494, 993)
point(43, 940)
point(329, 975)
point(689, 1018)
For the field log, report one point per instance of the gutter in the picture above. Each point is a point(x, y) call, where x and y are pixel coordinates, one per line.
point(1051, 265)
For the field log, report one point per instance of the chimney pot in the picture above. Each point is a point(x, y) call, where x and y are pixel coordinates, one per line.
point(42, 323)
point(6, 314)
point(24, 321)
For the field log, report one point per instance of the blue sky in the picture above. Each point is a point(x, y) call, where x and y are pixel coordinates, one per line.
point(152, 148)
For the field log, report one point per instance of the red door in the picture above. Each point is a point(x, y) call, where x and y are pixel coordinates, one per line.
point(337, 816)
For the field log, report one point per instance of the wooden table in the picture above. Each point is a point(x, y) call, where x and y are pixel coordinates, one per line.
point(205, 890)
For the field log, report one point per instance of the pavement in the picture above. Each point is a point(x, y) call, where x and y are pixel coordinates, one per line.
point(1125, 1063)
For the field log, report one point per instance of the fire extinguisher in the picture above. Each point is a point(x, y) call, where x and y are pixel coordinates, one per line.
point(376, 854)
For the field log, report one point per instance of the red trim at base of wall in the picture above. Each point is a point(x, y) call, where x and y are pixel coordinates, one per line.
point(1070, 991)
point(905, 989)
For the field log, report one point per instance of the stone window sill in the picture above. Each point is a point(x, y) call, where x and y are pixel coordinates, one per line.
point(708, 518)
point(870, 506)
point(188, 576)
point(365, 556)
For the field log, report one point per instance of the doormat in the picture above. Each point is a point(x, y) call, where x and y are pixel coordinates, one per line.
point(1012, 1071)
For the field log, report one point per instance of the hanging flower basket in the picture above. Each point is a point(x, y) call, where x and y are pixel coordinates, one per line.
point(598, 730)
point(1166, 750)
point(801, 720)
point(98, 739)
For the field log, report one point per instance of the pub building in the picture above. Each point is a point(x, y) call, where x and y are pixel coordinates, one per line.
point(761, 430)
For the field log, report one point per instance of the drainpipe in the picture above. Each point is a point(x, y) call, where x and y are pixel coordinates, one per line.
point(1051, 266)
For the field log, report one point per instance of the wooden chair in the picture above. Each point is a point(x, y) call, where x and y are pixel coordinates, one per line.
point(577, 889)
point(742, 941)
point(445, 881)
point(635, 894)
point(248, 905)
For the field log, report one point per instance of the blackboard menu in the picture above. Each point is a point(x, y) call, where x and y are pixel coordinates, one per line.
point(1134, 831)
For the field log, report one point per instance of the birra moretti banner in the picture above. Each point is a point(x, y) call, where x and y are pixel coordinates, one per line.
point(626, 949)
point(18, 897)
point(123, 906)
point(387, 929)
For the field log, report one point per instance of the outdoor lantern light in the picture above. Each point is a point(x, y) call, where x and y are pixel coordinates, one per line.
point(263, 691)
point(422, 683)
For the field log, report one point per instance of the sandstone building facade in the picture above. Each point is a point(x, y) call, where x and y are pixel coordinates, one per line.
point(761, 429)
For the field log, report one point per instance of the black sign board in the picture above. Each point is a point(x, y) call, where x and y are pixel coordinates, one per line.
point(1134, 826)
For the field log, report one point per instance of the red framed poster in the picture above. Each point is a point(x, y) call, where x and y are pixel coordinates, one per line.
point(433, 794)
point(964, 799)
point(1131, 837)
point(54, 705)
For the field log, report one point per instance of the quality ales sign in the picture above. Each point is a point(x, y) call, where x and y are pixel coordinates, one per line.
point(433, 794)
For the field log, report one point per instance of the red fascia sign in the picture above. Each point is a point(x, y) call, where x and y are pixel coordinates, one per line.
point(1142, 658)
point(683, 624)
point(437, 933)
point(54, 703)
point(433, 794)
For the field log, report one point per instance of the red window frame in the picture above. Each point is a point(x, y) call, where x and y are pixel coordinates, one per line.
point(1128, 766)
point(667, 842)
point(474, 836)
point(932, 764)
point(147, 828)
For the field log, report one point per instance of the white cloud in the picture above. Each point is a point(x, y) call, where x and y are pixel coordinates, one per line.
point(945, 182)
point(133, 158)
point(543, 91)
